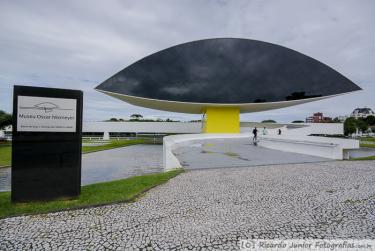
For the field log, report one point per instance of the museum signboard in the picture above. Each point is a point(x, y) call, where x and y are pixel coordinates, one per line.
point(41, 114)
point(46, 149)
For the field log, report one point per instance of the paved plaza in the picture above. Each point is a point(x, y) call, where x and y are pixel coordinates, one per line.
point(214, 153)
point(137, 160)
point(213, 209)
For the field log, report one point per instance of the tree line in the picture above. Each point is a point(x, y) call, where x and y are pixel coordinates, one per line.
point(350, 125)
point(5, 119)
point(362, 124)
point(139, 118)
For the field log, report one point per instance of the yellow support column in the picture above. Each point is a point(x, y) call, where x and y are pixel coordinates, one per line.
point(222, 120)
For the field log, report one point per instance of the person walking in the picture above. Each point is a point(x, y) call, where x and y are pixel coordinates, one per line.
point(279, 132)
point(255, 133)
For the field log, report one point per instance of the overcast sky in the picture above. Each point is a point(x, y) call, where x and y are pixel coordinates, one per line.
point(79, 44)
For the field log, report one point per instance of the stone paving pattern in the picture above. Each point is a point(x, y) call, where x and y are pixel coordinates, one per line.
point(213, 209)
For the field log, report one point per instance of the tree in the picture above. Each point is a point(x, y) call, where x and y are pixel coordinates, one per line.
point(362, 125)
point(113, 119)
point(136, 116)
point(350, 126)
point(336, 120)
point(269, 121)
point(370, 120)
point(298, 121)
point(5, 119)
point(171, 120)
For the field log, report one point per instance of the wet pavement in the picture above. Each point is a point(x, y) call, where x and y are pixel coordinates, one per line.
point(362, 152)
point(236, 153)
point(121, 163)
point(111, 164)
point(136, 160)
point(5, 179)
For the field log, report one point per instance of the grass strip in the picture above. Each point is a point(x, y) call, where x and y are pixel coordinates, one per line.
point(364, 158)
point(5, 154)
point(367, 145)
point(113, 144)
point(126, 190)
point(372, 139)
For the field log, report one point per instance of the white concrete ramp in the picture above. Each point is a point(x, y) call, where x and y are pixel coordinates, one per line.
point(294, 139)
point(219, 153)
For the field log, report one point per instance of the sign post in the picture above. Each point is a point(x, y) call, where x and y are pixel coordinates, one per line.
point(47, 140)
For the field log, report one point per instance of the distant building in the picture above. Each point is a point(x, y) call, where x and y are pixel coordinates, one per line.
point(362, 113)
point(318, 118)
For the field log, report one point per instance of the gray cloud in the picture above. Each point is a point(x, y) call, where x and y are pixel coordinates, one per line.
point(78, 44)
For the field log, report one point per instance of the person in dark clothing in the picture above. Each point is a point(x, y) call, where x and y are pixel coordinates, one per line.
point(255, 133)
point(279, 132)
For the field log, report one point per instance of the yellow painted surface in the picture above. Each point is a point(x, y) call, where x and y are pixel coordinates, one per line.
point(222, 120)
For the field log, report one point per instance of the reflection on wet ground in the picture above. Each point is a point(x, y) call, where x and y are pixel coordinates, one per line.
point(362, 152)
point(121, 163)
point(110, 165)
point(236, 153)
point(136, 160)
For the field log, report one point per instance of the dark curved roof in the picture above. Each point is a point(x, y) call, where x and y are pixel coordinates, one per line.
point(229, 71)
point(364, 110)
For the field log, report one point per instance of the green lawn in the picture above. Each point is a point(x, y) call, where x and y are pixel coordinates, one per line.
point(5, 154)
point(6, 148)
point(367, 142)
point(126, 190)
point(114, 144)
point(367, 145)
point(364, 158)
point(372, 139)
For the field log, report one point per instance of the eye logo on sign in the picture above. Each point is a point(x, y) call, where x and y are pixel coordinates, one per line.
point(46, 107)
point(46, 114)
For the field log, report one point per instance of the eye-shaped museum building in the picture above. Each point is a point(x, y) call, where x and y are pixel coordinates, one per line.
point(224, 77)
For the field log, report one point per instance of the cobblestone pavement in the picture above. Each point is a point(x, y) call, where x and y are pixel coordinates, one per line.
point(213, 209)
